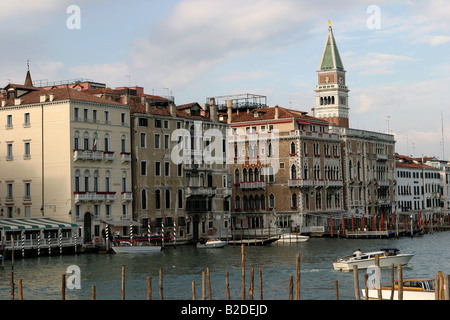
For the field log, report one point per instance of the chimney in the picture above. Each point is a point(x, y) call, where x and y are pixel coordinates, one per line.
point(277, 112)
point(17, 101)
point(229, 111)
point(42, 98)
point(3, 103)
point(172, 109)
point(313, 112)
point(213, 110)
point(51, 97)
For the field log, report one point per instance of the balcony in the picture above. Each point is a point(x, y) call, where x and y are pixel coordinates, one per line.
point(92, 196)
point(300, 183)
point(125, 156)
point(200, 191)
point(127, 196)
point(94, 155)
point(334, 183)
point(246, 185)
point(109, 155)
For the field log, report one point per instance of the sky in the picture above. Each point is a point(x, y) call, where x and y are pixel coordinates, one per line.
point(396, 54)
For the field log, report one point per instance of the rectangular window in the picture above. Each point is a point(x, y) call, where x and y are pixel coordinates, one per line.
point(9, 123)
point(76, 114)
point(157, 141)
point(157, 123)
point(108, 210)
point(26, 120)
point(124, 211)
point(94, 116)
point(143, 122)
point(143, 140)
point(27, 192)
point(166, 124)
point(157, 168)
point(106, 117)
point(9, 151)
point(86, 115)
point(180, 170)
point(9, 192)
point(167, 169)
point(123, 119)
point(166, 141)
point(26, 151)
point(143, 168)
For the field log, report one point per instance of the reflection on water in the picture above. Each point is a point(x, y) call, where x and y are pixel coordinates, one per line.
point(42, 276)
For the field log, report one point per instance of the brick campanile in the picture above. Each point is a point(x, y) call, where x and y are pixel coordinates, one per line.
point(331, 90)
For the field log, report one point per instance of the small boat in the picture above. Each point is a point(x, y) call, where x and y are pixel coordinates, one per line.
point(292, 238)
point(413, 289)
point(212, 243)
point(254, 241)
point(128, 247)
point(387, 257)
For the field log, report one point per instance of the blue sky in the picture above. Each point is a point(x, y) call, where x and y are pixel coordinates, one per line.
point(397, 71)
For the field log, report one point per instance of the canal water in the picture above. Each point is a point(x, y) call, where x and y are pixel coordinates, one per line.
point(42, 276)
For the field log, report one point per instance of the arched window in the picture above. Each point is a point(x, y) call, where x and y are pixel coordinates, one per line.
point(86, 141)
point(245, 203)
point(272, 201)
point(256, 175)
point(180, 198)
point(167, 198)
point(76, 140)
point(237, 202)
point(244, 175)
point(77, 181)
point(293, 151)
point(236, 176)
point(251, 203)
point(305, 170)
point(144, 199)
point(257, 203)
point(294, 201)
point(359, 170)
point(96, 189)
point(350, 168)
point(250, 175)
point(87, 176)
point(124, 181)
point(263, 202)
point(293, 172)
point(107, 182)
point(270, 150)
point(157, 199)
point(271, 175)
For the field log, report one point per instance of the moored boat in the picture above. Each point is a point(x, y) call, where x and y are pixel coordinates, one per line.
point(128, 247)
point(212, 243)
point(413, 289)
point(387, 257)
point(292, 238)
point(254, 241)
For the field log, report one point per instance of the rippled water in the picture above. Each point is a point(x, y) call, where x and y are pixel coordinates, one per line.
point(42, 276)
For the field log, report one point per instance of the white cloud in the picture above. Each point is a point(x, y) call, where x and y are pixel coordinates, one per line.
point(375, 63)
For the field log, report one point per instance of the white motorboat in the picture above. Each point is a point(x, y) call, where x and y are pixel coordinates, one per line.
point(128, 247)
point(292, 238)
point(413, 289)
point(212, 243)
point(387, 257)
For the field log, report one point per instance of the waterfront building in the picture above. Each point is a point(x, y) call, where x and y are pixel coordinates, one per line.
point(286, 170)
point(418, 189)
point(65, 155)
point(178, 189)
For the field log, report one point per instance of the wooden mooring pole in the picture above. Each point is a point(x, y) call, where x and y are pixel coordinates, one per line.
point(92, 292)
point(297, 279)
point(227, 285)
point(161, 284)
point(149, 288)
point(356, 282)
point(400, 281)
point(20, 290)
point(243, 270)
point(63, 287)
point(123, 282)
point(336, 289)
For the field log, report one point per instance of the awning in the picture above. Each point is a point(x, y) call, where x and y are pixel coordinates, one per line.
point(34, 223)
point(303, 122)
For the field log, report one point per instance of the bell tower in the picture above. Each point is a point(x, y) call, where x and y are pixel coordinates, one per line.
point(331, 90)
